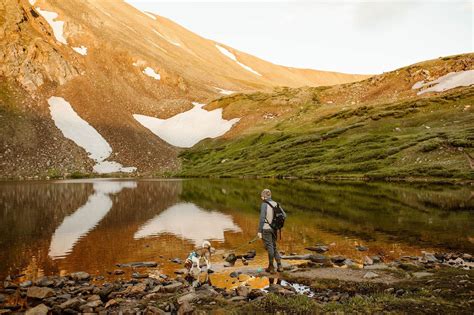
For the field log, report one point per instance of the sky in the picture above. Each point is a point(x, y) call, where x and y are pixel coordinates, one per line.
point(352, 36)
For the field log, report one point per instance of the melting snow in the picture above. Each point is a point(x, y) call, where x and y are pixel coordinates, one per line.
point(166, 38)
point(84, 135)
point(57, 26)
point(188, 128)
point(151, 73)
point(232, 56)
point(81, 50)
point(449, 81)
point(85, 218)
point(225, 92)
point(181, 219)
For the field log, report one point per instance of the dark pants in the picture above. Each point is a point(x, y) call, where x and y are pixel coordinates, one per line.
point(269, 241)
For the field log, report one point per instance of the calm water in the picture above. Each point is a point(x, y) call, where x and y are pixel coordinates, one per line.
point(90, 225)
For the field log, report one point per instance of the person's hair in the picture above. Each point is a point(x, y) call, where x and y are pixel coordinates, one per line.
point(266, 193)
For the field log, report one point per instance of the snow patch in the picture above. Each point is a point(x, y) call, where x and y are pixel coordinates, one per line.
point(230, 55)
point(85, 218)
point(224, 92)
point(167, 39)
point(186, 129)
point(449, 81)
point(84, 135)
point(180, 220)
point(57, 26)
point(149, 15)
point(151, 73)
point(80, 50)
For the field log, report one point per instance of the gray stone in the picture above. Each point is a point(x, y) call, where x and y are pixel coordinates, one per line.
point(39, 292)
point(138, 275)
point(26, 284)
point(141, 264)
point(185, 308)
point(38, 310)
point(187, 298)
point(318, 249)
point(371, 275)
point(80, 276)
point(380, 266)
point(368, 261)
point(72, 303)
point(243, 291)
point(361, 248)
point(348, 262)
point(173, 287)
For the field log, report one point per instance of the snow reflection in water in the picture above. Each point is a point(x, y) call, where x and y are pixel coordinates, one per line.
point(84, 219)
point(188, 221)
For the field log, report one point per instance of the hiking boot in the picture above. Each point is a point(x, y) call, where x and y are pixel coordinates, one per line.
point(270, 269)
point(279, 268)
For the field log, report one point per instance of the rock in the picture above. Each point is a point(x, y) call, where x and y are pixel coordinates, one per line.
point(243, 291)
point(118, 272)
point(39, 292)
point(250, 254)
point(320, 259)
point(187, 298)
point(181, 271)
point(73, 303)
point(399, 292)
point(422, 274)
point(376, 259)
point(318, 249)
point(26, 284)
point(110, 303)
point(173, 287)
point(137, 275)
point(368, 261)
point(338, 260)
point(348, 262)
point(2, 298)
point(141, 264)
point(94, 297)
point(93, 304)
point(361, 248)
point(371, 275)
point(177, 260)
point(429, 258)
point(80, 276)
point(185, 308)
point(9, 285)
point(139, 288)
point(38, 310)
point(467, 257)
point(235, 274)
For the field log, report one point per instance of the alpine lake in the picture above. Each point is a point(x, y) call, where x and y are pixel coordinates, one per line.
point(58, 227)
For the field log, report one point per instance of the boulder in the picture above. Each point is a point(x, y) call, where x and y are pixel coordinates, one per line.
point(338, 260)
point(26, 284)
point(39, 292)
point(185, 308)
point(38, 310)
point(187, 298)
point(137, 275)
point(318, 249)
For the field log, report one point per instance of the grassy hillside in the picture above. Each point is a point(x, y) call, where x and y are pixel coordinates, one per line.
point(430, 136)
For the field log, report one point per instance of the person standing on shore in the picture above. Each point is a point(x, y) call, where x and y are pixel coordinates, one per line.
point(272, 218)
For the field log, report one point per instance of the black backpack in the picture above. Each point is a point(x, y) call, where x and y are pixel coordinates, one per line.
point(279, 217)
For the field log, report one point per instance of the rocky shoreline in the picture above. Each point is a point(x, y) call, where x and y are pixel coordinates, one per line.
point(319, 283)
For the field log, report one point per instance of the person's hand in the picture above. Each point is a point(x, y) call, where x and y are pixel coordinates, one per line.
point(259, 235)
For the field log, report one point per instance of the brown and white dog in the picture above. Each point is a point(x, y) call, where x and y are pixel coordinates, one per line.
point(197, 258)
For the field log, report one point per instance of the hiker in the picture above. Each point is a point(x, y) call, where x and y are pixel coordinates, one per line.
point(272, 218)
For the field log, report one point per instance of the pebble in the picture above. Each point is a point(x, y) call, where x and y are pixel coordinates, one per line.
point(371, 275)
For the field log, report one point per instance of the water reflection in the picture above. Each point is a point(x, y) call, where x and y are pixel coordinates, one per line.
point(85, 218)
point(188, 221)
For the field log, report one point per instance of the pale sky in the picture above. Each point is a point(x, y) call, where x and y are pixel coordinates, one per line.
point(348, 36)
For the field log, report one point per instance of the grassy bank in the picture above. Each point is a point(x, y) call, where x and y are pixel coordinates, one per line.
point(420, 138)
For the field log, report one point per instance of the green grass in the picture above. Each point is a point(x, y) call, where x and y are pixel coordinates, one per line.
point(420, 138)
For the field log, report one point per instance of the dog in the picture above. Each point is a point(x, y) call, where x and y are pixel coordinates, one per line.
point(197, 258)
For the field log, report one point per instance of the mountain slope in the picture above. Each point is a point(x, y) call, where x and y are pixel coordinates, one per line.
point(391, 125)
point(109, 61)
